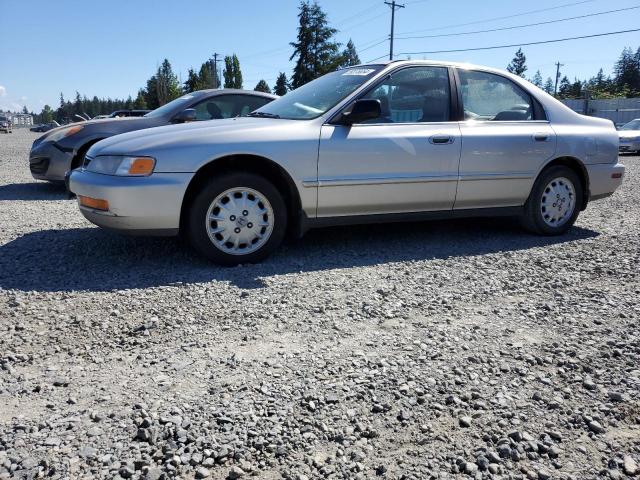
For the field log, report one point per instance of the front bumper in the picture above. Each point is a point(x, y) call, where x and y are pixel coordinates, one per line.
point(604, 179)
point(629, 146)
point(137, 205)
point(48, 162)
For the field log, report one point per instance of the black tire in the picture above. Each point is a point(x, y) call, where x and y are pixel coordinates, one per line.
point(196, 215)
point(533, 219)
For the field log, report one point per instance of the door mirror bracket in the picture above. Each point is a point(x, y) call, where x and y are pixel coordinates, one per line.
point(360, 111)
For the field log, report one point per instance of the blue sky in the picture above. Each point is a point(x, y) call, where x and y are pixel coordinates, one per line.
point(109, 48)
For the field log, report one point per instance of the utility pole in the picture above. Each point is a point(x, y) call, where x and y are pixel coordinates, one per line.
point(214, 73)
point(558, 65)
point(393, 6)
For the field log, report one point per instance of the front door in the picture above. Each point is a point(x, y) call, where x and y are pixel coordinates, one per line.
point(404, 161)
point(505, 141)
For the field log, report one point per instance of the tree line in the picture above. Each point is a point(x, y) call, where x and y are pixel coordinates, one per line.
point(317, 52)
point(625, 81)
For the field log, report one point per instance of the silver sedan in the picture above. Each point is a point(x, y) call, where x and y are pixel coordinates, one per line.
point(374, 143)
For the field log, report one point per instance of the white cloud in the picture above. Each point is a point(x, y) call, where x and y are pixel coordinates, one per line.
point(3, 91)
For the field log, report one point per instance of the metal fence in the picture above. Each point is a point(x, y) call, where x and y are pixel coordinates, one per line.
point(618, 110)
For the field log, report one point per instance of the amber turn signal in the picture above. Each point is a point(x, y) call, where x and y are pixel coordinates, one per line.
point(141, 166)
point(95, 203)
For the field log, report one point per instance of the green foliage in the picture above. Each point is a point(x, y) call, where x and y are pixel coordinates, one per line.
point(537, 79)
point(262, 86)
point(140, 103)
point(549, 86)
point(519, 64)
point(349, 55)
point(315, 51)
point(282, 85)
point(232, 73)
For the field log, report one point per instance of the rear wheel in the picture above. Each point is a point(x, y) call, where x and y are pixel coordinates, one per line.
point(554, 203)
point(237, 218)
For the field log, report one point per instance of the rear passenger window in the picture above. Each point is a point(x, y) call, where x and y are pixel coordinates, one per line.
point(486, 96)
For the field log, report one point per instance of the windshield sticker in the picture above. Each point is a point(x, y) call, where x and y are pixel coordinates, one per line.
point(361, 72)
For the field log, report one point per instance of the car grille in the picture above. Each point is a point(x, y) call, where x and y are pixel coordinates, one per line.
point(39, 165)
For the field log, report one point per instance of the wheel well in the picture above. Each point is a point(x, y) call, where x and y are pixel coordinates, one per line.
point(580, 170)
point(82, 151)
point(250, 164)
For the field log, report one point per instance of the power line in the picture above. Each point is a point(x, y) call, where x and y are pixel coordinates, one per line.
point(521, 26)
point(514, 44)
point(501, 18)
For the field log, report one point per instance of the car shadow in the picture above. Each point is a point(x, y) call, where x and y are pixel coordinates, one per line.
point(92, 259)
point(33, 191)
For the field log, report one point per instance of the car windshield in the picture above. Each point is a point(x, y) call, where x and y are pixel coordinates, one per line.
point(317, 97)
point(169, 107)
point(632, 125)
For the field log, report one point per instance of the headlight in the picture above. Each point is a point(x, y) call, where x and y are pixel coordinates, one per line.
point(63, 133)
point(122, 166)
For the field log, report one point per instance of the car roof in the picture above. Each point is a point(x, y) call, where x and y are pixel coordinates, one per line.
point(443, 63)
point(233, 91)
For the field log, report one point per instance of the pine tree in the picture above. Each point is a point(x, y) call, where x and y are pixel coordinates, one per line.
point(282, 85)
point(518, 64)
point(549, 86)
point(232, 73)
point(349, 55)
point(140, 103)
point(151, 93)
point(167, 85)
point(537, 79)
point(192, 83)
point(564, 89)
point(315, 50)
point(627, 72)
point(262, 86)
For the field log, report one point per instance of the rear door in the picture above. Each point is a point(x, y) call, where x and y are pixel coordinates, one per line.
point(505, 141)
point(404, 161)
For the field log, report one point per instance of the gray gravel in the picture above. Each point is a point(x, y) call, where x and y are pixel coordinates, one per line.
point(461, 349)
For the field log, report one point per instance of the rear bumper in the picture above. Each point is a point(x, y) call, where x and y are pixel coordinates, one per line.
point(604, 179)
point(137, 205)
point(48, 162)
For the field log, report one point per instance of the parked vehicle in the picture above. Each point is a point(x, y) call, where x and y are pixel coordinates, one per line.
point(129, 113)
point(374, 143)
point(629, 135)
point(45, 127)
point(63, 149)
point(5, 124)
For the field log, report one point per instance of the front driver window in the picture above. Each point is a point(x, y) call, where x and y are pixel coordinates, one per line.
point(413, 95)
point(228, 106)
point(487, 96)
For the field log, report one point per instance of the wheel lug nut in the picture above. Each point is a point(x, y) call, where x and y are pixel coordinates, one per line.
point(237, 230)
point(232, 218)
point(245, 213)
point(250, 225)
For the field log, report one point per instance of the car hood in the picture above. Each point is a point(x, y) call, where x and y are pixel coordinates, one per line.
point(629, 133)
point(101, 123)
point(154, 141)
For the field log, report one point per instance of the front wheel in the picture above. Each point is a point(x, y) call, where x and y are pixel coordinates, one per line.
point(554, 203)
point(237, 218)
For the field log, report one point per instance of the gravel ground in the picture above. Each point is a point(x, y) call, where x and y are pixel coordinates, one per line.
point(461, 349)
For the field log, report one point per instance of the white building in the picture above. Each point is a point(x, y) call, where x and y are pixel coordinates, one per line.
point(19, 119)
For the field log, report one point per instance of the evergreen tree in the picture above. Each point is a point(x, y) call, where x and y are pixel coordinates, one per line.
point(315, 51)
point(192, 83)
point(549, 86)
point(262, 86)
point(140, 103)
point(232, 74)
point(564, 89)
point(206, 76)
point(627, 72)
point(518, 64)
point(151, 93)
point(24, 110)
point(349, 55)
point(537, 79)
point(282, 85)
point(167, 85)
point(46, 115)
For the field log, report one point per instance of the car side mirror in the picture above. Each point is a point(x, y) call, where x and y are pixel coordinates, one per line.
point(187, 115)
point(361, 110)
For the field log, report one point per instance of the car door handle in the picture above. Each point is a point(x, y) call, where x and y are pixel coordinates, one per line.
point(541, 137)
point(441, 139)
